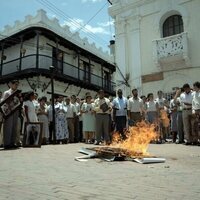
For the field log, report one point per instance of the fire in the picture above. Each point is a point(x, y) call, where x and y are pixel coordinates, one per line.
point(137, 139)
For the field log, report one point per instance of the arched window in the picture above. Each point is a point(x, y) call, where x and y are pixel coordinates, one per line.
point(173, 25)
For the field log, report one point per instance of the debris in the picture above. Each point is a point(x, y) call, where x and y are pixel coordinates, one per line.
point(114, 154)
point(149, 160)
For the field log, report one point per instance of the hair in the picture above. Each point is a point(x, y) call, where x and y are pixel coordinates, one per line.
point(43, 98)
point(101, 91)
point(14, 81)
point(160, 92)
point(119, 90)
point(149, 95)
point(196, 84)
point(186, 85)
point(134, 90)
point(28, 95)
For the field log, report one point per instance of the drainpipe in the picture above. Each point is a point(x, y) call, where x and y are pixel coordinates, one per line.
point(37, 48)
point(2, 54)
point(21, 53)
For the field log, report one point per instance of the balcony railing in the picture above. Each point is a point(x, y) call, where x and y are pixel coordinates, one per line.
point(65, 69)
point(171, 50)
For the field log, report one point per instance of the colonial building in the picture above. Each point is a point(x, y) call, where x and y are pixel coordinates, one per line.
point(29, 48)
point(157, 43)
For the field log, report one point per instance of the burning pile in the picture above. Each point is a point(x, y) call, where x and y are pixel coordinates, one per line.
point(134, 146)
point(137, 139)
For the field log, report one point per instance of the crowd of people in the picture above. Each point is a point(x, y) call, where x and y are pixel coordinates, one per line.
point(93, 120)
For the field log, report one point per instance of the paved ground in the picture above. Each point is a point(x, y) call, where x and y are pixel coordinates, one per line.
point(52, 173)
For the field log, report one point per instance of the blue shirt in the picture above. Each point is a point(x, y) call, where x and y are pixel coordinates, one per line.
point(120, 105)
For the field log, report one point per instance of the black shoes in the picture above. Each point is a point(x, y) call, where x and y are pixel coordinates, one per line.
point(11, 146)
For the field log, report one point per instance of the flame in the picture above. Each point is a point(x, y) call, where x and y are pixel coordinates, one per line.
point(137, 139)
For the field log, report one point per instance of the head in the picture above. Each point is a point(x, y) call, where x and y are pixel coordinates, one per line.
point(119, 93)
point(135, 92)
point(29, 96)
point(160, 94)
point(14, 84)
point(186, 88)
point(143, 98)
point(88, 97)
point(196, 86)
point(43, 100)
point(35, 96)
point(150, 96)
point(73, 98)
point(60, 98)
point(67, 100)
point(101, 94)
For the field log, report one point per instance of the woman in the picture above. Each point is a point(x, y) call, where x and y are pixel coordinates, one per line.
point(88, 115)
point(151, 107)
point(29, 108)
point(42, 117)
point(61, 126)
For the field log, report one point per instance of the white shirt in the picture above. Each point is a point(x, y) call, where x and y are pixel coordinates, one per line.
point(151, 106)
point(135, 105)
point(31, 111)
point(161, 102)
point(196, 101)
point(120, 105)
point(71, 109)
point(186, 98)
point(98, 102)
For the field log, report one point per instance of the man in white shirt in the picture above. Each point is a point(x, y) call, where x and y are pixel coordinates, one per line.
point(76, 118)
point(102, 108)
point(135, 108)
point(71, 114)
point(195, 118)
point(120, 112)
point(186, 101)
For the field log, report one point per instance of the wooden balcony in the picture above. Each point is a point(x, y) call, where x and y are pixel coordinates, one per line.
point(34, 65)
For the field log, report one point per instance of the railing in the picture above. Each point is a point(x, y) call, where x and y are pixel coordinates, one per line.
point(44, 62)
point(170, 49)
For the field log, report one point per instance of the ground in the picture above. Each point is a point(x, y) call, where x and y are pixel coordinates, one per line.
point(50, 172)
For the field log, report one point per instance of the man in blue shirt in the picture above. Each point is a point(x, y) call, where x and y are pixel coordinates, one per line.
point(120, 112)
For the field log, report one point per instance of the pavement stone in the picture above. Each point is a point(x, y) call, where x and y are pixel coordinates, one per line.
point(51, 173)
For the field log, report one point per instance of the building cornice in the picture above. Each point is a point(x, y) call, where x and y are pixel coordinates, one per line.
point(121, 6)
point(41, 20)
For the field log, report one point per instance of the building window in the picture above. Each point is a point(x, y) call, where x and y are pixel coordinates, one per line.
point(173, 25)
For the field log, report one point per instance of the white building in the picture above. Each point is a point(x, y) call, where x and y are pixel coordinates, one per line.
point(157, 43)
point(30, 47)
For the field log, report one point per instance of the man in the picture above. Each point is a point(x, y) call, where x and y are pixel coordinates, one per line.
point(102, 108)
point(179, 120)
point(186, 101)
point(120, 112)
point(135, 108)
point(76, 118)
point(10, 123)
point(71, 114)
point(195, 118)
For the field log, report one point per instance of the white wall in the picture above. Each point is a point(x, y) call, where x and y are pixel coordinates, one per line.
point(142, 23)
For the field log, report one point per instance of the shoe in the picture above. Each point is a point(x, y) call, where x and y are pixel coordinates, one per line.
point(195, 143)
point(188, 143)
point(96, 143)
